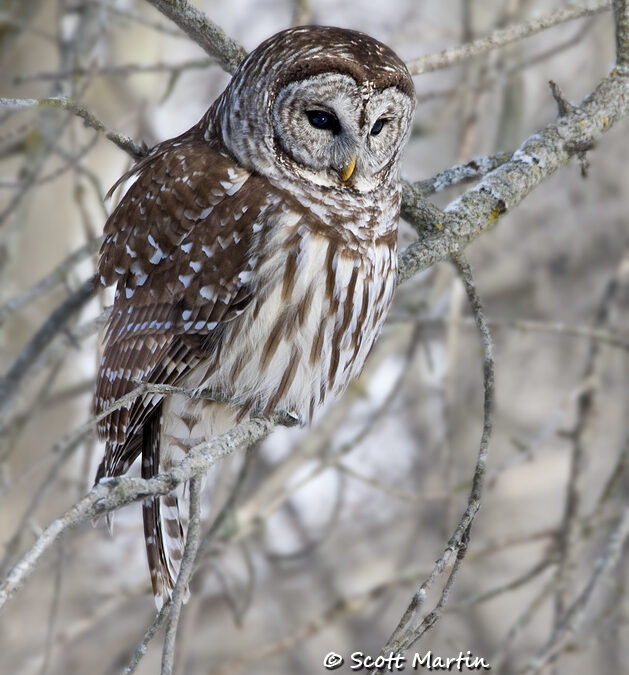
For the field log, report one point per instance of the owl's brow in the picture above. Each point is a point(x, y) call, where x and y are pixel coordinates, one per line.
point(379, 81)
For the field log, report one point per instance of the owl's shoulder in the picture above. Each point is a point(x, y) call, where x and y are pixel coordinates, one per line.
point(188, 188)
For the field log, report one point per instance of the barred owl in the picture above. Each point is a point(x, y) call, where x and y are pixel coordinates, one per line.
point(254, 255)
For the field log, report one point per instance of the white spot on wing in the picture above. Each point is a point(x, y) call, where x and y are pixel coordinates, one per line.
point(207, 292)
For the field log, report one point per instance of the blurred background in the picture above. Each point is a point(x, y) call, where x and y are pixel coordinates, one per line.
point(333, 528)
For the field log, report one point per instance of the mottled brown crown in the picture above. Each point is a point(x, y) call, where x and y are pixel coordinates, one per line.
point(311, 50)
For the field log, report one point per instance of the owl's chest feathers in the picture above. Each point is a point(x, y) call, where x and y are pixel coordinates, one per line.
point(319, 306)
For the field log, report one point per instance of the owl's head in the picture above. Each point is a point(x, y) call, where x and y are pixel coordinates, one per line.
point(326, 105)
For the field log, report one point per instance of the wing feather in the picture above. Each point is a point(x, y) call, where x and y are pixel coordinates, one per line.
point(178, 247)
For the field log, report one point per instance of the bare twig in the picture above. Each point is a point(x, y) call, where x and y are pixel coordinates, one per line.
point(502, 189)
point(621, 17)
point(609, 337)
point(10, 383)
point(59, 275)
point(575, 614)
point(137, 17)
point(503, 36)
point(54, 611)
point(122, 70)
point(459, 173)
point(111, 494)
point(410, 627)
point(125, 143)
point(585, 407)
point(140, 650)
point(185, 573)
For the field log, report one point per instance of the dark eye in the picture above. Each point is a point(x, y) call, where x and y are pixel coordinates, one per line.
point(377, 127)
point(321, 119)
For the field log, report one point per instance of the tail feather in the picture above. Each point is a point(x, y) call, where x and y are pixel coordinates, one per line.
point(163, 527)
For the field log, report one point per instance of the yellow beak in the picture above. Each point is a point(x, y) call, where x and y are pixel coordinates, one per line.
point(346, 172)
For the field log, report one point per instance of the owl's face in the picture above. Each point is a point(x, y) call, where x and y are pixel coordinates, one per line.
point(335, 130)
point(319, 105)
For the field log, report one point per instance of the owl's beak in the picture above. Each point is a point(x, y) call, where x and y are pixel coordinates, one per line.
point(346, 172)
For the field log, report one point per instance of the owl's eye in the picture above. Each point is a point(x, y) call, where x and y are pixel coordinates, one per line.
point(377, 127)
point(321, 119)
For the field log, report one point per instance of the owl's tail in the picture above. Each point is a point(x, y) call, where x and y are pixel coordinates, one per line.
point(164, 526)
point(185, 422)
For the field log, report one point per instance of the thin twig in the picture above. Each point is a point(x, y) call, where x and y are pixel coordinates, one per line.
point(575, 614)
point(460, 173)
point(122, 70)
point(185, 573)
point(410, 627)
point(125, 143)
point(128, 14)
point(140, 650)
point(11, 382)
point(58, 275)
point(54, 611)
point(621, 17)
point(584, 410)
point(113, 493)
point(503, 36)
point(612, 338)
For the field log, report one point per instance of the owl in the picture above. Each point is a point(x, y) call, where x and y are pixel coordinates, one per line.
point(255, 255)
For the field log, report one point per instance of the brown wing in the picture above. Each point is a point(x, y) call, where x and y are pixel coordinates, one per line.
point(178, 247)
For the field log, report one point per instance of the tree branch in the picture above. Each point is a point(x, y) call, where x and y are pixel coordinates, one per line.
point(476, 167)
point(411, 626)
point(193, 538)
point(575, 614)
point(505, 187)
point(22, 365)
point(621, 17)
point(210, 37)
point(125, 143)
point(113, 493)
point(502, 37)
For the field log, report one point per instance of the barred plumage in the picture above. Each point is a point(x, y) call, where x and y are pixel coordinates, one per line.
point(254, 255)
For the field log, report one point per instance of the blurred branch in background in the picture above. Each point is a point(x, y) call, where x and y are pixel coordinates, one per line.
point(359, 540)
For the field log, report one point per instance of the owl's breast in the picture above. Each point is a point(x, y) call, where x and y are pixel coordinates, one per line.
point(319, 307)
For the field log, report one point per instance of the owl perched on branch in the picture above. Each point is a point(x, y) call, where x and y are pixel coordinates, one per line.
point(254, 255)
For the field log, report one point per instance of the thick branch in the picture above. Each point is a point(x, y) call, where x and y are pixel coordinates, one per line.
point(477, 167)
point(227, 52)
point(505, 187)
